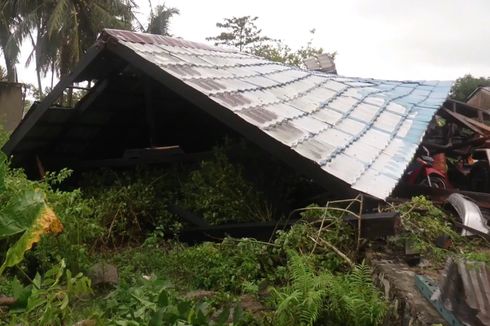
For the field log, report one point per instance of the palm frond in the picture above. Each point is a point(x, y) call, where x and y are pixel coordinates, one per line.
point(60, 12)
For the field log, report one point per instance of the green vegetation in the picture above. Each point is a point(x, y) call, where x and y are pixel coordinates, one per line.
point(219, 192)
point(464, 86)
point(311, 274)
point(243, 34)
point(123, 219)
point(423, 223)
point(321, 296)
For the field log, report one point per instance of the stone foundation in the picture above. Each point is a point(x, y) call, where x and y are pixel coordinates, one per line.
point(397, 281)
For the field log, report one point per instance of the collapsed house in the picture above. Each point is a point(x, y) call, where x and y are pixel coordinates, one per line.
point(152, 99)
point(152, 93)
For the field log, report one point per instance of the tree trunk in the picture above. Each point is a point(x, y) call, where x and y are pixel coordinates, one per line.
point(11, 72)
point(9, 61)
point(9, 65)
point(38, 67)
point(52, 74)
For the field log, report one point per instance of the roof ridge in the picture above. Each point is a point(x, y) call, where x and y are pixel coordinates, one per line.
point(147, 38)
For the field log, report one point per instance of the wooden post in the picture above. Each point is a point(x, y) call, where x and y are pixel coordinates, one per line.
point(149, 110)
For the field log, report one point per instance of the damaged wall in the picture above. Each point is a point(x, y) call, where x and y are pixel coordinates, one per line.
point(11, 107)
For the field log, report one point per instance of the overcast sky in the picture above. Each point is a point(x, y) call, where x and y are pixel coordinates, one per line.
point(391, 39)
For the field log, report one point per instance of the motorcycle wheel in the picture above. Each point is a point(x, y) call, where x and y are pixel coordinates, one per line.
point(435, 182)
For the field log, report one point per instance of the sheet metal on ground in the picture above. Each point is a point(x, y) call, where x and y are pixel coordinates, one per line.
point(465, 291)
point(363, 131)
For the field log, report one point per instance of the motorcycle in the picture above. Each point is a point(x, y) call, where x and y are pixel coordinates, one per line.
point(422, 172)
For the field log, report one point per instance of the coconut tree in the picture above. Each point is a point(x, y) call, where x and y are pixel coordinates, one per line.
point(160, 19)
point(8, 18)
point(73, 25)
point(59, 30)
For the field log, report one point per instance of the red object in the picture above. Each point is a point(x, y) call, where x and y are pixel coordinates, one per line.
point(440, 162)
point(422, 171)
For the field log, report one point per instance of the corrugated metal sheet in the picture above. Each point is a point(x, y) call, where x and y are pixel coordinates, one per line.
point(465, 291)
point(363, 131)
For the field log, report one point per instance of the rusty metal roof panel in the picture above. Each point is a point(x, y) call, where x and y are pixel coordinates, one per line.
point(260, 117)
point(315, 149)
point(287, 133)
point(362, 131)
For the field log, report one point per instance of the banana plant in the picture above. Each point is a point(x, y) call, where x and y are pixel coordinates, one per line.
point(26, 214)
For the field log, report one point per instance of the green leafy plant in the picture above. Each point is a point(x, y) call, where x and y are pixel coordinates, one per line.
point(354, 300)
point(226, 266)
point(51, 297)
point(155, 303)
point(129, 204)
point(25, 213)
point(314, 295)
point(218, 191)
point(302, 302)
point(422, 223)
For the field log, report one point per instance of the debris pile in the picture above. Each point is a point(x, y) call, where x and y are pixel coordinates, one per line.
point(455, 153)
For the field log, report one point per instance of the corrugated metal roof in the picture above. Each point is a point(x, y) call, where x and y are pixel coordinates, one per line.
point(362, 131)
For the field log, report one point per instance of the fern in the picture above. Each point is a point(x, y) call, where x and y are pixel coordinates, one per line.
point(313, 296)
point(301, 303)
point(353, 299)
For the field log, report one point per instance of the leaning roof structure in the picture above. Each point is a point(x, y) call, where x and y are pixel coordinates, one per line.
point(357, 132)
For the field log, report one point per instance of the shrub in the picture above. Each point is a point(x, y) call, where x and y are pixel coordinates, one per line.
point(129, 204)
point(226, 266)
point(81, 229)
point(218, 191)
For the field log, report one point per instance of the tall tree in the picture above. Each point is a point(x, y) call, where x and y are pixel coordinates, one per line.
point(59, 30)
point(240, 32)
point(30, 22)
point(8, 18)
point(277, 51)
point(159, 20)
point(464, 86)
point(243, 34)
point(73, 25)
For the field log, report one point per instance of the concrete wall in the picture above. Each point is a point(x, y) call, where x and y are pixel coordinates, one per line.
point(11, 106)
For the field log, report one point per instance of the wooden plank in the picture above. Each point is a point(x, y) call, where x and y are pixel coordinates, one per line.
point(478, 124)
point(458, 118)
point(457, 103)
point(149, 111)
